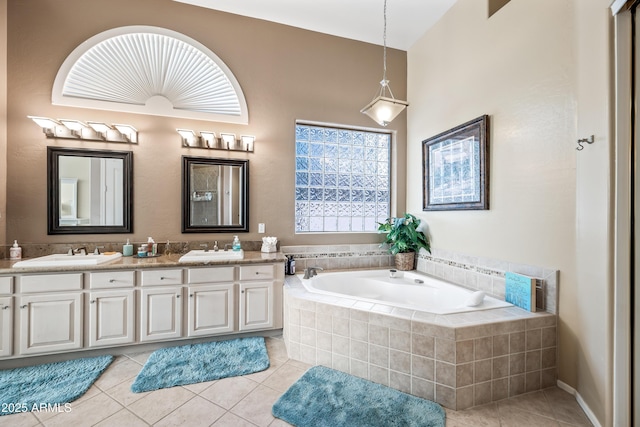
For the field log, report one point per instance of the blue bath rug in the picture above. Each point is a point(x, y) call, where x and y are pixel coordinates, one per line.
point(326, 397)
point(53, 384)
point(196, 363)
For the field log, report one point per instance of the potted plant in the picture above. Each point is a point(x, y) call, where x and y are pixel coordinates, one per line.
point(404, 239)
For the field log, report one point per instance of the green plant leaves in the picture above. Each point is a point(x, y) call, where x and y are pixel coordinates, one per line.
point(402, 234)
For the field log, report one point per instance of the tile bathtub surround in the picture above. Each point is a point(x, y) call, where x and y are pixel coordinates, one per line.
point(458, 360)
point(477, 273)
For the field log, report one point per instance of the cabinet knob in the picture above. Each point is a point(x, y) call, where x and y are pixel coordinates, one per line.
point(5, 307)
point(24, 306)
point(112, 280)
point(93, 301)
point(190, 295)
point(242, 292)
point(163, 278)
point(177, 296)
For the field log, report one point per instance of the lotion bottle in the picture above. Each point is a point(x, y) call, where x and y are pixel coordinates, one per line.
point(236, 244)
point(15, 251)
point(127, 249)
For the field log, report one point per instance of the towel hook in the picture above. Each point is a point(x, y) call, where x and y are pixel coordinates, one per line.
point(589, 140)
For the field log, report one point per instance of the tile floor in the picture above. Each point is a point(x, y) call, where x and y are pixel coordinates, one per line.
point(246, 401)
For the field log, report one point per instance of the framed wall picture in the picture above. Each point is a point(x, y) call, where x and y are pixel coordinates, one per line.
point(456, 168)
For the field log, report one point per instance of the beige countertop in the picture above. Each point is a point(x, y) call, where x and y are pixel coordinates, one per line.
point(162, 261)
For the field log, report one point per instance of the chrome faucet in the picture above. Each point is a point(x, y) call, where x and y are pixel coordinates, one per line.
point(227, 246)
point(309, 272)
point(215, 246)
point(81, 250)
point(205, 246)
point(96, 251)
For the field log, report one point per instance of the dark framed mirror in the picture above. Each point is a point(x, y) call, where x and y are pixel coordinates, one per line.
point(215, 195)
point(90, 191)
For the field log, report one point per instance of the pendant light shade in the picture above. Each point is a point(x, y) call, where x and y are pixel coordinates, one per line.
point(384, 107)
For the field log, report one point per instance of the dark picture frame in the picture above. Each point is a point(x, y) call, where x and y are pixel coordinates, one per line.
point(455, 168)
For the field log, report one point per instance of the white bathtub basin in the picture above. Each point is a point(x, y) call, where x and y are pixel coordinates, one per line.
point(64, 260)
point(200, 255)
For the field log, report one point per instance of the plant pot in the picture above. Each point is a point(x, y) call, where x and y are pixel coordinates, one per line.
point(405, 261)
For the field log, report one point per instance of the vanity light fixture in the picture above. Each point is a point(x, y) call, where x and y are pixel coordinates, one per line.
point(209, 140)
point(228, 140)
point(90, 131)
point(189, 137)
point(384, 108)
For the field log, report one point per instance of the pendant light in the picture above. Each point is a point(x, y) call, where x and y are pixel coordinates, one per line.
point(384, 107)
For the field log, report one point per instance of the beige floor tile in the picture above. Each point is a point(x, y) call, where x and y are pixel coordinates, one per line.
point(88, 413)
point(22, 419)
point(227, 392)
point(279, 423)
point(480, 416)
point(141, 357)
point(566, 408)
point(513, 417)
point(123, 394)
point(284, 377)
point(198, 388)
point(122, 418)
point(196, 412)
point(276, 349)
point(535, 402)
point(159, 403)
point(125, 370)
point(256, 407)
point(232, 420)
point(259, 377)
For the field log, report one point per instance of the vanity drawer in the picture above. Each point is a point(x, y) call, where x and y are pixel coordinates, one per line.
point(51, 283)
point(211, 274)
point(256, 272)
point(161, 277)
point(112, 279)
point(6, 285)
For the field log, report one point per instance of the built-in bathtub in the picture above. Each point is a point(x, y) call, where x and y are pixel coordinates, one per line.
point(409, 290)
point(462, 358)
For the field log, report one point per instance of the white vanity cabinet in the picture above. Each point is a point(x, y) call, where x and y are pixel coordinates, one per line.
point(256, 296)
point(50, 321)
point(211, 302)
point(111, 308)
point(6, 316)
point(160, 304)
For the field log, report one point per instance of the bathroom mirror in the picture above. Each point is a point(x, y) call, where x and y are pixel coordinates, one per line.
point(89, 191)
point(215, 194)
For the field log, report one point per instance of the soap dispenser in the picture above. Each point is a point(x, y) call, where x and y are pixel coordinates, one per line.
point(15, 251)
point(127, 249)
point(236, 244)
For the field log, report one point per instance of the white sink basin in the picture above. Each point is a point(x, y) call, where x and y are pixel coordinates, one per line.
point(63, 260)
point(206, 256)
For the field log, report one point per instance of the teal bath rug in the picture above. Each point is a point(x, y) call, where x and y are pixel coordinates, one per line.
point(326, 397)
point(51, 385)
point(196, 363)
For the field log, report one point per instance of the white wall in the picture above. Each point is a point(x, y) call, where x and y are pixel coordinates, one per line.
point(530, 69)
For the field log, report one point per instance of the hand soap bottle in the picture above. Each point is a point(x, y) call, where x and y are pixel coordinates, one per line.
point(127, 249)
point(15, 251)
point(236, 244)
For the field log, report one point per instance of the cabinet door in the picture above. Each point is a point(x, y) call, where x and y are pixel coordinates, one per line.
point(111, 317)
point(160, 313)
point(211, 309)
point(50, 323)
point(6, 326)
point(256, 301)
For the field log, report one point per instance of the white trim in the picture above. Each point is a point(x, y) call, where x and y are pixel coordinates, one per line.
point(172, 70)
point(587, 411)
point(622, 230)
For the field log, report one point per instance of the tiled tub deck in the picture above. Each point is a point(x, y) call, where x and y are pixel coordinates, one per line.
point(458, 360)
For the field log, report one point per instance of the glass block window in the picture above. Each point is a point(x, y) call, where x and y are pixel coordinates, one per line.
point(342, 179)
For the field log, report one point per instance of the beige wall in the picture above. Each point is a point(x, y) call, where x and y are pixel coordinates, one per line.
point(3, 124)
point(539, 69)
point(285, 73)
